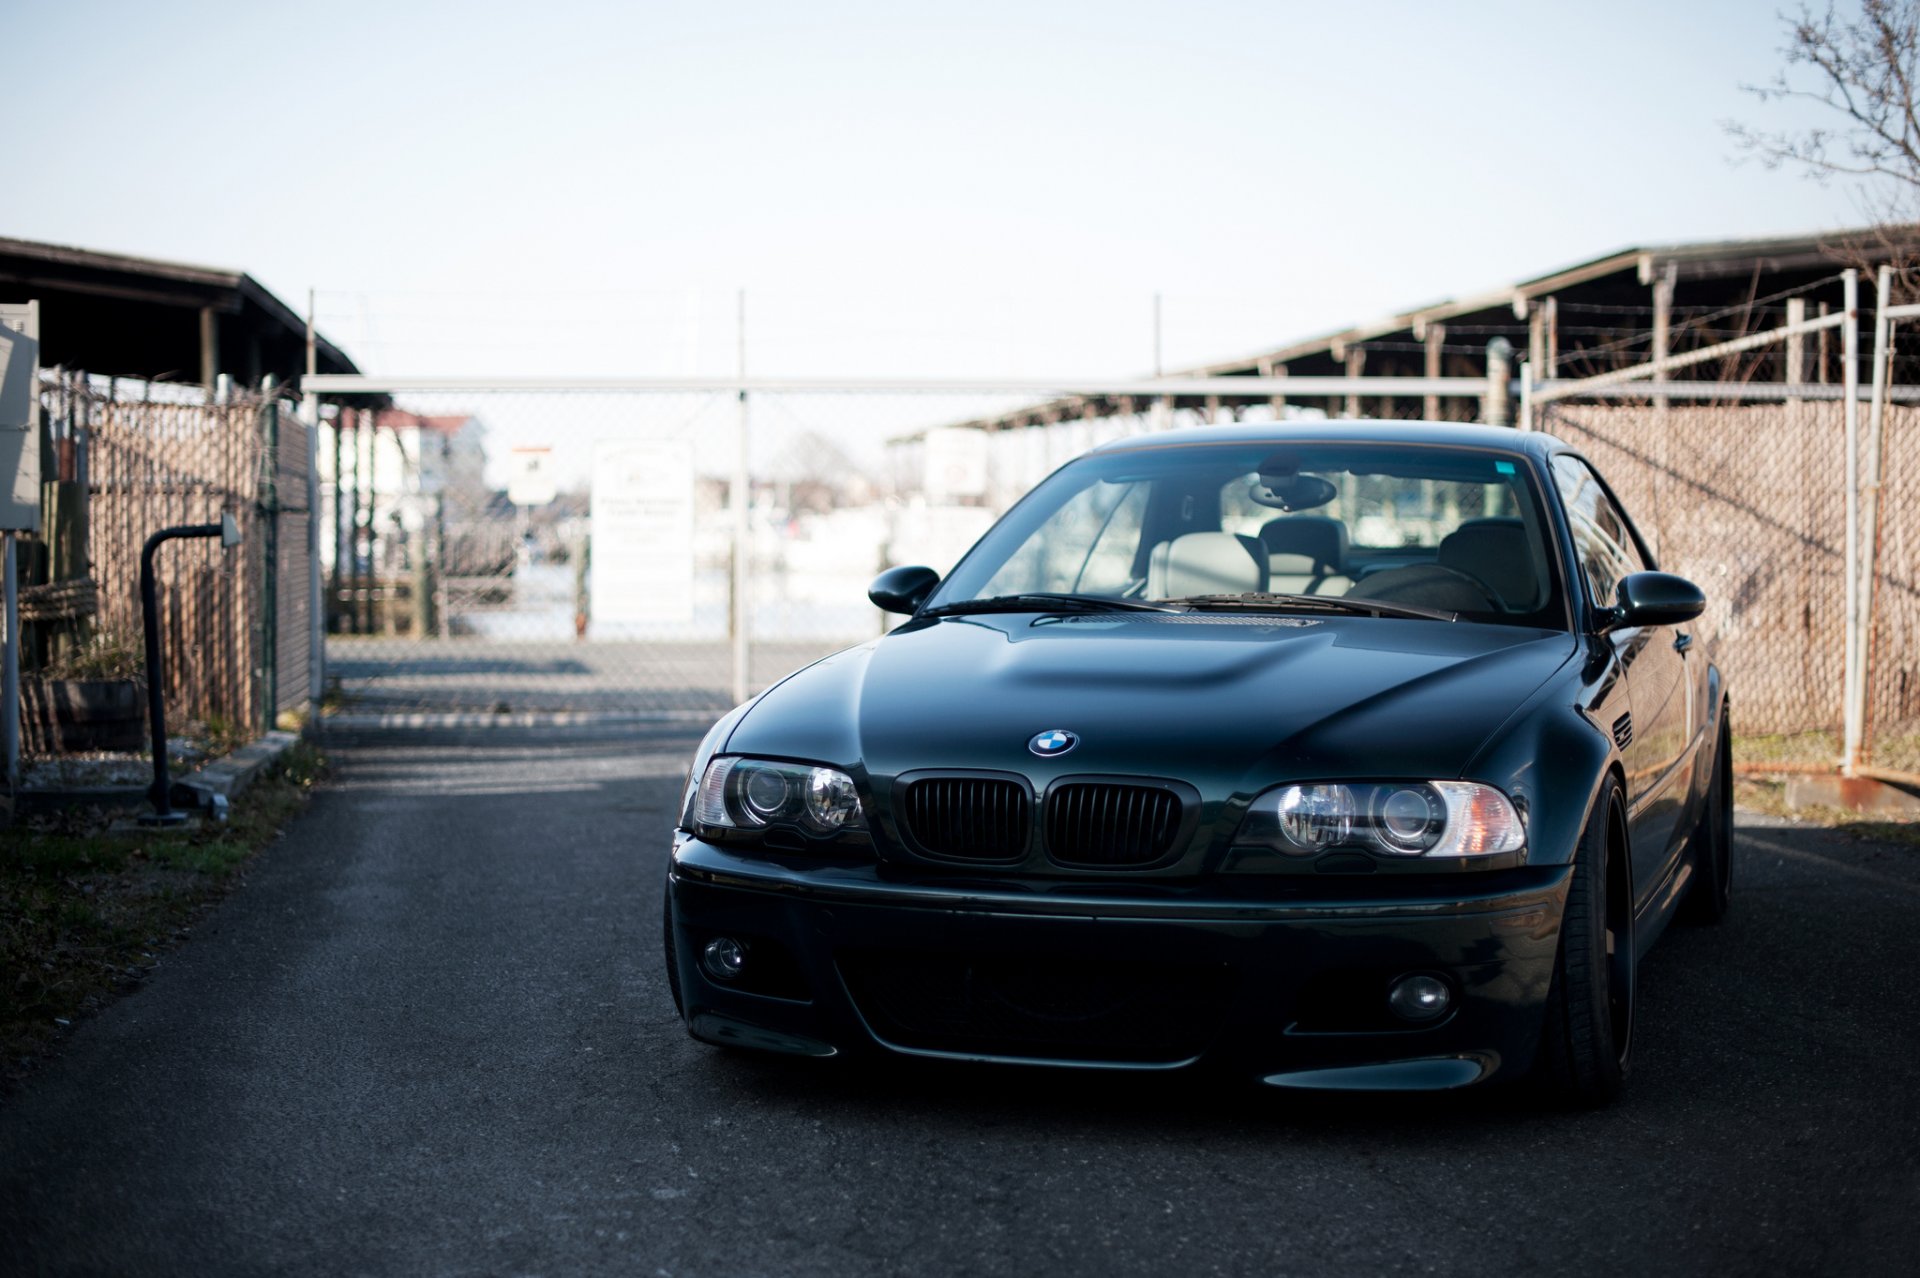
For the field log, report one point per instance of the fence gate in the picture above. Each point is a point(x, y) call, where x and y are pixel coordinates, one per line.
point(625, 581)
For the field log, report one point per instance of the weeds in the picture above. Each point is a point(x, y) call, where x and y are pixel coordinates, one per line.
point(87, 901)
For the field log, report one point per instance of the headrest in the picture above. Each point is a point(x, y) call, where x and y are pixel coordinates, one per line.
point(1322, 539)
point(1206, 563)
point(1498, 553)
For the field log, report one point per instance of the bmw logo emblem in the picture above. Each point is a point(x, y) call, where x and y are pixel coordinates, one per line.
point(1053, 741)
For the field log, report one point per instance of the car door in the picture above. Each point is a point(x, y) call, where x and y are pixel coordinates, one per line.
point(1657, 726)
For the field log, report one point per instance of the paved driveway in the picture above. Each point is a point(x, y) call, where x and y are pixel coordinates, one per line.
point(431, 1036)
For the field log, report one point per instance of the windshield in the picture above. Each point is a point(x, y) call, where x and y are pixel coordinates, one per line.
point(1455, 530)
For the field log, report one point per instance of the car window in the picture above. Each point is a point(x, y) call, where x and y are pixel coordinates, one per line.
point(1601, 538)
point(1455, 529)
point(1088, 546)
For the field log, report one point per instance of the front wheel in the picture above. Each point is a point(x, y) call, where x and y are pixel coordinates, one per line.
point(1711, 892)
point(1585, 1042)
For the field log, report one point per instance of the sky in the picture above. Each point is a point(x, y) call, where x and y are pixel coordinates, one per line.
point(987, 189)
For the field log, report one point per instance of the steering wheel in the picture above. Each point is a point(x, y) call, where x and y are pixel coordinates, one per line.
point(1429, 586)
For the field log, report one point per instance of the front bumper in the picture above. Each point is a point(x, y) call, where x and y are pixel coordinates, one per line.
point(1286, 983)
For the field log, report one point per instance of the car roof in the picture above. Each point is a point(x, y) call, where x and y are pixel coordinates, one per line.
point(1347, 430)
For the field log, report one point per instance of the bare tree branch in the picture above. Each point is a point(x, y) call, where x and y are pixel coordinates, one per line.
point(1863, 71)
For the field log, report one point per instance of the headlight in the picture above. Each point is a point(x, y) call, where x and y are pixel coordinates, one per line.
point(755, 794)
point(1392, 818)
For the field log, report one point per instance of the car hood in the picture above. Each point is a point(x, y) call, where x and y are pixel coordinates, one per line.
point(1229, 703)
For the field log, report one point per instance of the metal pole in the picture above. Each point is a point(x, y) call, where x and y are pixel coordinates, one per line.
point(270, 561)
point(10, 679)
point(1526, 395)
point(316, 596)
point(742, 531)
point(1870, 498)
point(161, 792)
point(1850, 376)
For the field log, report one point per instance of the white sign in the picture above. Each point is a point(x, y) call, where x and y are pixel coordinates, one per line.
point(530, 477)
point(956, 464)
point(20, 417)
point(642, 556)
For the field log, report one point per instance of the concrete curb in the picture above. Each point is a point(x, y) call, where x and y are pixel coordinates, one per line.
point(229, 776)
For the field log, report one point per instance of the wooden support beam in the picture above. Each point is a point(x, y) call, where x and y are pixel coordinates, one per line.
point(1356, 364)
point(1662, 325)
point(209, 347)
point(1553, 339)
point(1436, 341)
point(1273, 368)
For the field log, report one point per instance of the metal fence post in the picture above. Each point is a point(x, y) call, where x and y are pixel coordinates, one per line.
point(742, 531)
point(270, 514)
point(1850, 377)
point(1870, 496)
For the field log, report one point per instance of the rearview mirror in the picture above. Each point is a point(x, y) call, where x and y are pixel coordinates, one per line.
point(1655, 599)
point(902, 589)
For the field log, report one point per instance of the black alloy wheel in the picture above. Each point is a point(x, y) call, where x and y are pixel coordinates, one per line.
point(1712, 843)
point(1588, 1035)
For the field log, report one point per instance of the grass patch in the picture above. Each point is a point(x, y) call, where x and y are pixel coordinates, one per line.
point(87, 905)
point(1789, 747)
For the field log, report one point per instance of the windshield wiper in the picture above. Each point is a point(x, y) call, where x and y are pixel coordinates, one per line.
point(1045, 601)
point(1260, 599)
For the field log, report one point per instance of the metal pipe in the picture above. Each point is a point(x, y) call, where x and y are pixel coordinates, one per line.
point(1746, 392)
point(1892, 776)
point(160, 793)
point(1798, 767)
point(1850, 375)
point(1870, 491)
point(1659, 367)
point(1144, 388)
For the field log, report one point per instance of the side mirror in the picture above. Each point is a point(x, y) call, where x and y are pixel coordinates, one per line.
point(1655, 599)
point(902, 589)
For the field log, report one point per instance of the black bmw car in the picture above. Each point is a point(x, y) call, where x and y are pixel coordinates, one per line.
point(1343, 755)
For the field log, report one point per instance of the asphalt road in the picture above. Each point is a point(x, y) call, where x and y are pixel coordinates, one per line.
point(431, 1036)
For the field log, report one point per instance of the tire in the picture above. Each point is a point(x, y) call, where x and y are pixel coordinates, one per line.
point(1712, 841)
point(672, 951)
point(1587, 1039)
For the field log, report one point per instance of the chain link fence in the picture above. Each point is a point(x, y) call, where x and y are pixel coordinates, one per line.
point(1750, 501)
point(608, 589)
point(122, 459)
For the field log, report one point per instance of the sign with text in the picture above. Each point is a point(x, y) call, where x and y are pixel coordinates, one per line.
point(20, 417)
point(956, 464)
point(530, 477)
point(642, 556)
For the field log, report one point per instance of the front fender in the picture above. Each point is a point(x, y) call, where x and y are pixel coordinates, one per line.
point(1554, 760)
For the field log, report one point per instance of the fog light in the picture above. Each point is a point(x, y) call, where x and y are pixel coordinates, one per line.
point(1417, 998)
point(723, 958)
